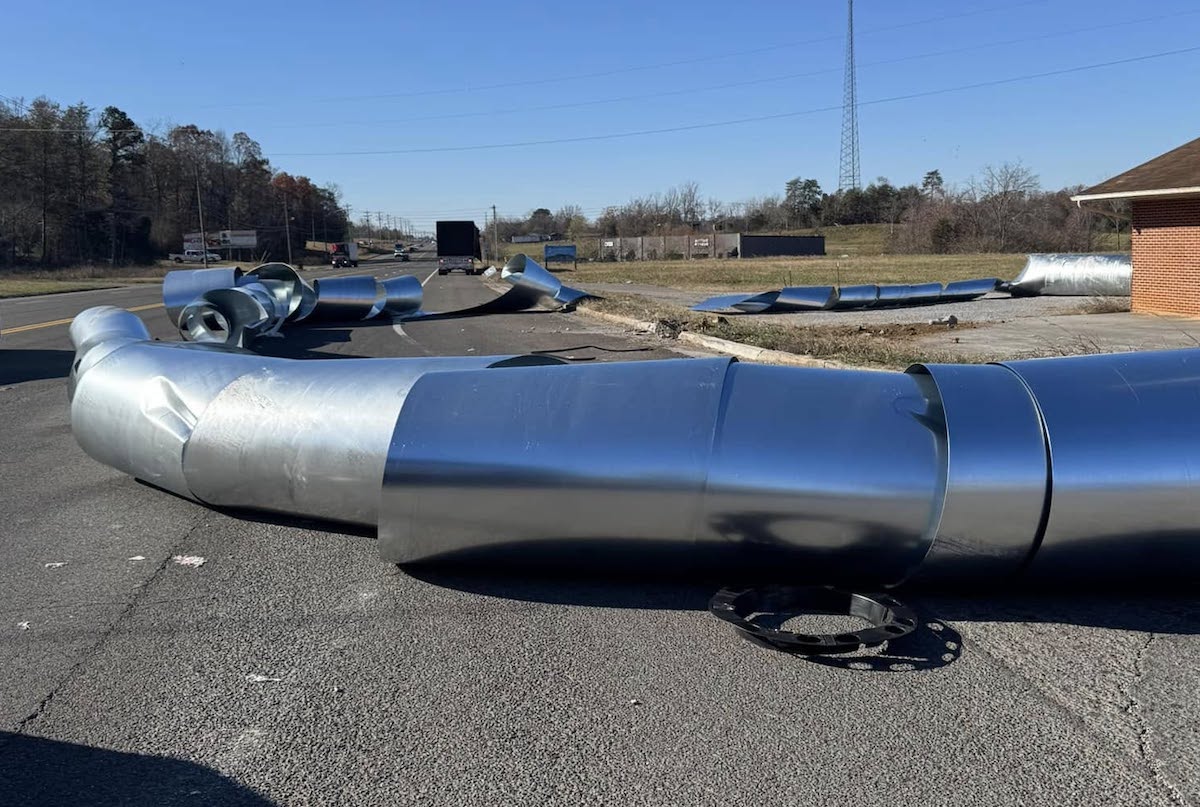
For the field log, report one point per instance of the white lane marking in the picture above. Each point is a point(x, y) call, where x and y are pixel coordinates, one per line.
point(431, 274)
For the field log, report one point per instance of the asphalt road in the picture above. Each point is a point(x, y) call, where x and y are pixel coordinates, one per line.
point(293, 667)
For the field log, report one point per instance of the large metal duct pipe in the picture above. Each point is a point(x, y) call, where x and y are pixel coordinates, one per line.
point(183, 286)
point(230, 428)
point(232, 316)
point(296, 296)
point(346, 299)
point(1076, 469)
point(528, 275)
point(1071, 469)
point(1079, 275)
point(402, 294)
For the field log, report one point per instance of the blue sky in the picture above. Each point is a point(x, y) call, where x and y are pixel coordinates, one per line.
point(314, 82)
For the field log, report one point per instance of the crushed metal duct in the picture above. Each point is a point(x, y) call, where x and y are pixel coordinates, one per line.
point(182, 286)
point(1072, 275)
point(823, 298)
point(225, 306)
point(532, 285)
point(1065, 469)
point(231, 428)
point(788, 299)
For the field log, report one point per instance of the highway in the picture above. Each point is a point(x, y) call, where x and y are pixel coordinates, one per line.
point(159, 652)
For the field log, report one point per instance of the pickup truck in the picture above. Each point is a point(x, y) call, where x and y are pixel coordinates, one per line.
point(193, 256)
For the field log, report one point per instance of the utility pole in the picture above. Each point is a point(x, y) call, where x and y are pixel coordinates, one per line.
point(367, 214)
point(495, 235)
point(203, 235)
point(287, 229)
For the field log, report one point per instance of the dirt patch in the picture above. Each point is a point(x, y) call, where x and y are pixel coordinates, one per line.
point(893, 345)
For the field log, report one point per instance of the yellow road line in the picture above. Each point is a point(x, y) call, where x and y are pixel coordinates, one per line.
point(67, 321)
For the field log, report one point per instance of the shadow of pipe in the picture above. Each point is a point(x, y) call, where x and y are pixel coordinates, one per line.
point(37, 771)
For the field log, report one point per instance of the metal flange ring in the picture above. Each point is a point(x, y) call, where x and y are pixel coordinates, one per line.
point(889, 618)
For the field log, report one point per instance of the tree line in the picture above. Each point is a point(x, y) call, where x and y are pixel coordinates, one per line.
point(1004, 209)
point(82, 186)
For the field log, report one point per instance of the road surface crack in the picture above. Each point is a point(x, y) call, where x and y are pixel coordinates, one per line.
point(134, 599)
point(1136, 711)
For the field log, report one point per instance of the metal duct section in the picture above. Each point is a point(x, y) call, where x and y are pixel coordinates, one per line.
point(183, 286)
point(793, 299)
point(1074, 275)
point(1077, 469)
point(296, 296)
point(856, 296)
point(402, 295)
point(226, 307)
point(533, 280)
point(230, 428)
point(963, 290)
point(346, 299)
point(788, 299)
point(821, 473)
point(1072, 469)
point(231, 316)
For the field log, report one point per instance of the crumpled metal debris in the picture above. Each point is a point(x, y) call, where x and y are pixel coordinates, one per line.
point(1074, 275)
point(227, 306)
point(793, 299)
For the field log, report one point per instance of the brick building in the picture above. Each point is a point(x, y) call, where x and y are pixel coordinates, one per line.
point(1165, 197)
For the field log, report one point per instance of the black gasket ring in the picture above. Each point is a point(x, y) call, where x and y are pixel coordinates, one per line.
point(890, 619)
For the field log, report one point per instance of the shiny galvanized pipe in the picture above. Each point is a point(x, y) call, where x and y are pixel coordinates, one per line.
point(232, 428)
point(1078, 469)
point(1081, 469)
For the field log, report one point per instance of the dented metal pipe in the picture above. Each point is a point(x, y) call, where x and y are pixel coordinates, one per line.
point(1069, 469)
point(231, 428)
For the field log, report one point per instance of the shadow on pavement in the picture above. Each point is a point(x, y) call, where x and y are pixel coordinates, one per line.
point(33, 365)
point(659, 585)
point(36, 771)
point(304, 341)
point(1159, 611)
point(668, 595)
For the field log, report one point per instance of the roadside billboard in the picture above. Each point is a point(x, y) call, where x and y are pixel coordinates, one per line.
point(193, 241)
point(223, 239)
point(238, 239)
point(559, 252)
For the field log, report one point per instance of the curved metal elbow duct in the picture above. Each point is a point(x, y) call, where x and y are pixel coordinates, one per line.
point(1068, 469)
point(231, 428)
point(533, 280)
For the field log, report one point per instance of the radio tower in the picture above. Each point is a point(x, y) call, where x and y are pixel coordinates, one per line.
point(848, 171)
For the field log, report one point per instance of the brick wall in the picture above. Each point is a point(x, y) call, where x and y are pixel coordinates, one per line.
point(1166, 256)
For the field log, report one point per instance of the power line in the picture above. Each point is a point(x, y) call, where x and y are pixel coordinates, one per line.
point(632, 68)
point(708, 88)
point(738, 121)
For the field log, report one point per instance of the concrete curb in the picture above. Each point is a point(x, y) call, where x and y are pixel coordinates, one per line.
point(741, 350)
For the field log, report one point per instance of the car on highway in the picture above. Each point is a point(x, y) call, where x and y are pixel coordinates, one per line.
point(400, 253)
